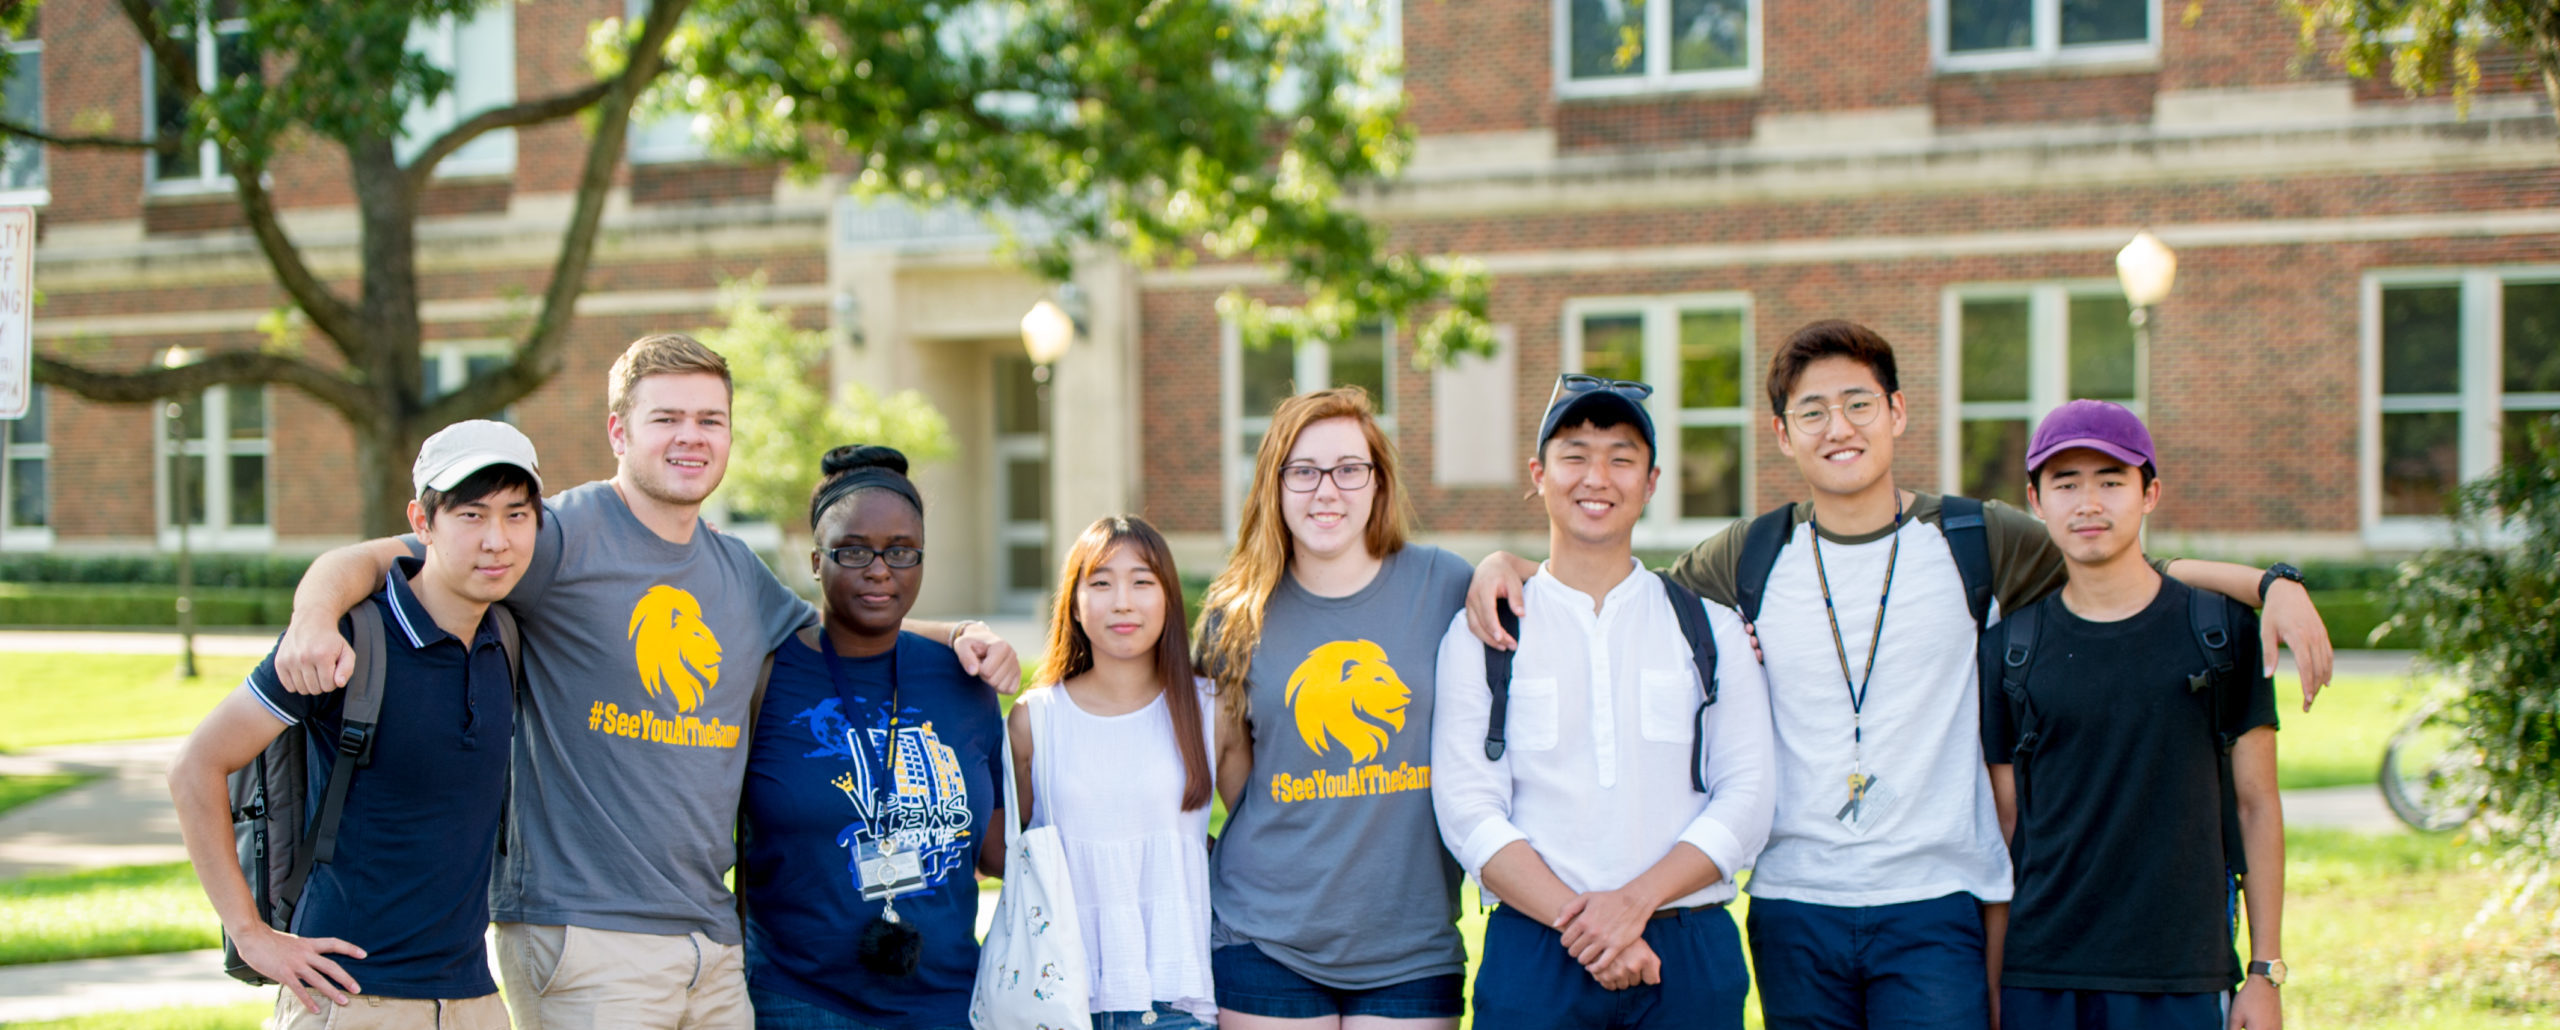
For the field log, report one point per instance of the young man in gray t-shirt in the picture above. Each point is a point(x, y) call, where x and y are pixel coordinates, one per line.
point(643, 633)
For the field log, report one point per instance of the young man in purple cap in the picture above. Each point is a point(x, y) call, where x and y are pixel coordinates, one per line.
point(1612, 804)
point(2148, 747)
point(405, 903)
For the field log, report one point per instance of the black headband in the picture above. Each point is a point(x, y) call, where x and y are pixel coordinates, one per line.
point(840, 487)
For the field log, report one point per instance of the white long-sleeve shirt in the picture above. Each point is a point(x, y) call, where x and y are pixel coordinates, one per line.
point(1595, 775)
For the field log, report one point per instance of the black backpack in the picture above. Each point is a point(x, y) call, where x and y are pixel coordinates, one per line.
point(1960, 520)
point(1702, 652)
point(2015, 643)
point(276, 843)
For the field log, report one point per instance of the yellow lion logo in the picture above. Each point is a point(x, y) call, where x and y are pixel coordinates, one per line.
point(1336, 686)
point(676, 652)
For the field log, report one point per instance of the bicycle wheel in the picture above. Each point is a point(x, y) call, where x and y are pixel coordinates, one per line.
point(2427, 774)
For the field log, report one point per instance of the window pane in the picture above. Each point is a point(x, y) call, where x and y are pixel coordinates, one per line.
point(29, 429)
point(182, 160)
point(248, 489)
point(247, 414)
point(1711, 359)
point(2515, 432)
point(1017, 396)
point(26, 492)
point(1994, 461)
point(1710, 34)
point(2533, 338)
point(1989, 25)
point(476, 365)
point(1608, 38)
point(1362, 361)
point(2104, 361)
point(2105, 21)
point(1613, 346)
point(2421, 461)
point(186, 489)
point(1250, 445)
point(1270, 375)
point(1026, 567)
point(2422, 340)
point(1993, 335)
point(24, 159)
point(1026, 490)
point(1710, 472)
point(190, 419)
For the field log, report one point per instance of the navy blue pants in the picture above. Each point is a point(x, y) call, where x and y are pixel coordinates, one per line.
point(2026, 1008)
point(1912, 966)
point(1529, 982)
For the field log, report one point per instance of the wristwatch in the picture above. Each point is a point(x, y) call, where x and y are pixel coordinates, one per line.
point(2279, 570)
point(2273, 969)
point(961, 627)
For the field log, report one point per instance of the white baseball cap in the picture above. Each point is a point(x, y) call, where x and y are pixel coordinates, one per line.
point(460, 449)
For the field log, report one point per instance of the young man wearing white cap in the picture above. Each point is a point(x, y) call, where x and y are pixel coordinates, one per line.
point(405, 902)
point(2152, 750)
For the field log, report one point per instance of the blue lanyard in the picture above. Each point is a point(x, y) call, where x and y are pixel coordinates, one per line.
point(861, 734)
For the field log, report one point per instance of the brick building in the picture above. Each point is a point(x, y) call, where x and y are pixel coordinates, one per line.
point(2368, 298)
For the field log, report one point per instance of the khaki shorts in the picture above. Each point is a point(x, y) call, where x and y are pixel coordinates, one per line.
point(575, 978)
point(369, 1012)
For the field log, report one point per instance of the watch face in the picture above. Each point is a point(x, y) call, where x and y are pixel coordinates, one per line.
point(2274, 971)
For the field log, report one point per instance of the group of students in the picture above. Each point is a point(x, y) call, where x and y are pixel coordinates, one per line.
point(1603, 749)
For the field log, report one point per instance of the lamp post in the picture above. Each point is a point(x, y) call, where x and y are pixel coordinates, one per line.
point(175, 414)
point(1050, 327)
point(2146, 268)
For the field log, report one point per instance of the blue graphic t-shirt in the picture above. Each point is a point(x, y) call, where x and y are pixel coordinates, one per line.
point(823, 774)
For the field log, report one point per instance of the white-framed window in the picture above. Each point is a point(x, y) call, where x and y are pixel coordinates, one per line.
point(221, 41)
point(1611, 47)
point(446, 366)
point(1695, 351)
point(22, 175)
point(667, 140)
point(2016, 351)
point(26, 454)
point(1257, 379)
point(480, 52)
point(1981, 35)
point(213, 469)
point(2457, 364)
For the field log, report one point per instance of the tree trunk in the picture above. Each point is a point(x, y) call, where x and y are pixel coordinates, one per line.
point(385, 449)
point(2546, 55)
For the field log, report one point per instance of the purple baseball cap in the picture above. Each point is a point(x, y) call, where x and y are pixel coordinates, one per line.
point(2102, 426)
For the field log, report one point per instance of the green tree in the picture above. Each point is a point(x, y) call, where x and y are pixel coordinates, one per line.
point(1168, 129)
point(783, 418)
point(2431, 45)
point(2487, 612)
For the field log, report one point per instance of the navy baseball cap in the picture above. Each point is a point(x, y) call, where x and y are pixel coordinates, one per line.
point(1579, 398)
point(2103, 426)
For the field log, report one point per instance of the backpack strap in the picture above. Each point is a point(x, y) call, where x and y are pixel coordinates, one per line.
point(1960, 521)
point(1761, 543)
point(1692, 614)
point(355, 737)
point(2211, 614)
point(510, 640)
point(1497, 676)
point(2017, 644)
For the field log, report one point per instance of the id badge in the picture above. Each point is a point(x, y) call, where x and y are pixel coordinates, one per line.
point(887, 870)
point(1866, 800)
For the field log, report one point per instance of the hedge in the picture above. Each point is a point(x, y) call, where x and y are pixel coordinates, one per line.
point(214, 570)
point(138, 605)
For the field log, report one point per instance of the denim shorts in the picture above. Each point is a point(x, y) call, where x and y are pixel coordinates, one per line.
point(778, 1011)
point(1164, 1017)
point(1251, 983)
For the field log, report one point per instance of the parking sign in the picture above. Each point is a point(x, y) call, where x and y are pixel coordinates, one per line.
point(17, 303)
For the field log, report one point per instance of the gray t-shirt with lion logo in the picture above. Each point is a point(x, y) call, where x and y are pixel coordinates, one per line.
point(639, 656)
point(1331, 864)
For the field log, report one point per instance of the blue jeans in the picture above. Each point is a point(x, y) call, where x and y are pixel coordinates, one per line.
point(1164, 1017)
point(776, 1011)
point(1252, 983)
point(1529, 982)
point(1912, 966)
point(2026, 1008)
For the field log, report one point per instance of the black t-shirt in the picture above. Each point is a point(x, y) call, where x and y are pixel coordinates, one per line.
point(2120, 880)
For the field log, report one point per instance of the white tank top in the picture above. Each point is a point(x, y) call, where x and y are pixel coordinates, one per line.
point(1112, 785)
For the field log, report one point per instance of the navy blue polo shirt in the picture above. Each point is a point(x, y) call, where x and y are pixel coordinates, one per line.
point(410, 883)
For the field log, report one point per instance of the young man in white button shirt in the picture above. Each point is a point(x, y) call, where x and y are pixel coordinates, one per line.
point(1612, 854)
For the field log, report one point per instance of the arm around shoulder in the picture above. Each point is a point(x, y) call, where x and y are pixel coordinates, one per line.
point(313, 658)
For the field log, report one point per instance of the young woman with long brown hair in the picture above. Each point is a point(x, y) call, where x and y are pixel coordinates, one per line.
point(1335, 902)
point(1114, 752)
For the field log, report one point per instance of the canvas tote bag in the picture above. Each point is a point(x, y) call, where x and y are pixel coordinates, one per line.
point(1032, 973)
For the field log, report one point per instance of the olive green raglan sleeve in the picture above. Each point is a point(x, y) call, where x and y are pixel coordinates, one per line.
point(1708, 569)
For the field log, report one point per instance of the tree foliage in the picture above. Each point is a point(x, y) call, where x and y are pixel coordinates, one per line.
point(783, 417)
point(2426, 46)
point(2487, 613)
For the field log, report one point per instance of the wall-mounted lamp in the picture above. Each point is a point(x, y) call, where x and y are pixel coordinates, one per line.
point(1051, 327)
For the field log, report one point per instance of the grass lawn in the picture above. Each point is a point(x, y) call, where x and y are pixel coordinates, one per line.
point(19, 790)
point(2340, 740)
point(129, 910)
point(78, 698)
point(246, 1016)
point(2381, 931)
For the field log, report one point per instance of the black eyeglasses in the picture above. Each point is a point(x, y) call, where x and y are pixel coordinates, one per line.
point(1572, 383)
point(860, 557)
point(1350, 475)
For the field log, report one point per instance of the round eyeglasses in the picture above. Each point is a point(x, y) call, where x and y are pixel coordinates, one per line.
point(1303, 479)
point(860, 557)
point(1858, 406)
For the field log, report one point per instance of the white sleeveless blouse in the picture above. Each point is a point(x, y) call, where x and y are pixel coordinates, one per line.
point(1140, 864)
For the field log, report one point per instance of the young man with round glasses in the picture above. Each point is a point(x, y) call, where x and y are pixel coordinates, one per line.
point(1881, 896)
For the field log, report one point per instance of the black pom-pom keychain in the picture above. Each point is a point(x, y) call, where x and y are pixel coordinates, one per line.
point(890, 946)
